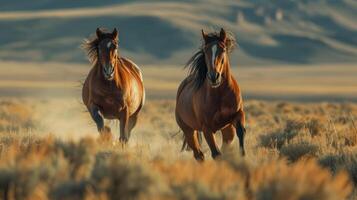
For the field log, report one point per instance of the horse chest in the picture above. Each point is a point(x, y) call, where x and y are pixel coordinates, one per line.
point(110, 105)
point(219, 118)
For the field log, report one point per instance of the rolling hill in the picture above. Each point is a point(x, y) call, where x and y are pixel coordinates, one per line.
point(168, 32)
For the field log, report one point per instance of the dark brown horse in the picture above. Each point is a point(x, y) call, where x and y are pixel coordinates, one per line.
point(209, 99)
point(114, 87)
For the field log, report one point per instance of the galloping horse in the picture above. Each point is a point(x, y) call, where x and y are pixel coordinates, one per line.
point(209, 98)
point(114, 87)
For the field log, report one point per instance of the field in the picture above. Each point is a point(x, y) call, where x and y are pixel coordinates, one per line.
point(304, 149)
point(49, 147)
point(295, 62)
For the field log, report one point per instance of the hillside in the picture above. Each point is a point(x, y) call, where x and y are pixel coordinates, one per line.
point(168, 32)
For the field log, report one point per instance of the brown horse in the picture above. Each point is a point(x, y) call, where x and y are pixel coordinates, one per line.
point(114, 87)
point(209, 99)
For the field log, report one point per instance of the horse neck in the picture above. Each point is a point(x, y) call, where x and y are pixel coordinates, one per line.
point(227, 76)
point(121, 74)
point(98, 72)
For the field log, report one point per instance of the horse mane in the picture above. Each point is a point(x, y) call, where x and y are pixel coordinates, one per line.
point(90, 45)
point(197, 65)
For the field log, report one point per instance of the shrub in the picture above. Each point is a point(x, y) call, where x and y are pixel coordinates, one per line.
point(123, 179)
point(303, 180)
point(278, 139)
point(14, 116)
point(295, 151)
point(338, 162)
point(315, 126)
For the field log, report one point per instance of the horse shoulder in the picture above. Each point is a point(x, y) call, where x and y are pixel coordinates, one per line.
point(133, 67)
point(88, 86)
point(135, 71)
point(183, 85)
point(232, 99)
point(185, 103)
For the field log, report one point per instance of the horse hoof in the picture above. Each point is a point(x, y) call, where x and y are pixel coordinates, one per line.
point(217, 156)
point(123, 140)
point(200, 157)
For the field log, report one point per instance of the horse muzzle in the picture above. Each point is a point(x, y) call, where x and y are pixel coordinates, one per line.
point(108, 72)
point(215, 79)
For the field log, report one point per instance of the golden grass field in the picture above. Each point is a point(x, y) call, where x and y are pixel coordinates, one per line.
point(49, 147)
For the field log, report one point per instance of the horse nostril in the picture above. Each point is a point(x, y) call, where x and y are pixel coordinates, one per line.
point(213, 76)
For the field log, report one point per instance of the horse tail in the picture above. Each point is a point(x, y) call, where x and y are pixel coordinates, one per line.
point(184, 145)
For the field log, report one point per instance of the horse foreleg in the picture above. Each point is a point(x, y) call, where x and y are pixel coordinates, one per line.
point(192, 140)
point(241, 131)
point(124, 126)
point(97, 117)
point(211, 141)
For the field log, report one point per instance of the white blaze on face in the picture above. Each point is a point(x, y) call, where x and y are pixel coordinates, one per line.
point(109, 44)
point(214, 51)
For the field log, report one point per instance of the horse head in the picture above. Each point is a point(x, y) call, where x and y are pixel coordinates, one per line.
point(107, 51)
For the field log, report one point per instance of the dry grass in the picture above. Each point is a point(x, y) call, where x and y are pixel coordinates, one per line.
point(294, 151)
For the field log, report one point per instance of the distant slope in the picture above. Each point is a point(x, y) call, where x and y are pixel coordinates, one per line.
point(168, 32)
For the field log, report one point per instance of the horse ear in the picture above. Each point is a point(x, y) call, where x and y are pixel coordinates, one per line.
point(115, 34)
point(99, 33)
point(222, 35)
point(204, 36)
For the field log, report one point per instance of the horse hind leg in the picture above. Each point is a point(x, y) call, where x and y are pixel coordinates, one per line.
point(124, 126)
point(227, 138)
point(241, 131)
point(132, 122)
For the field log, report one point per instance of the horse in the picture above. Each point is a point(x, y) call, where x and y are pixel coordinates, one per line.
point(209, 99)
point(114, 86)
